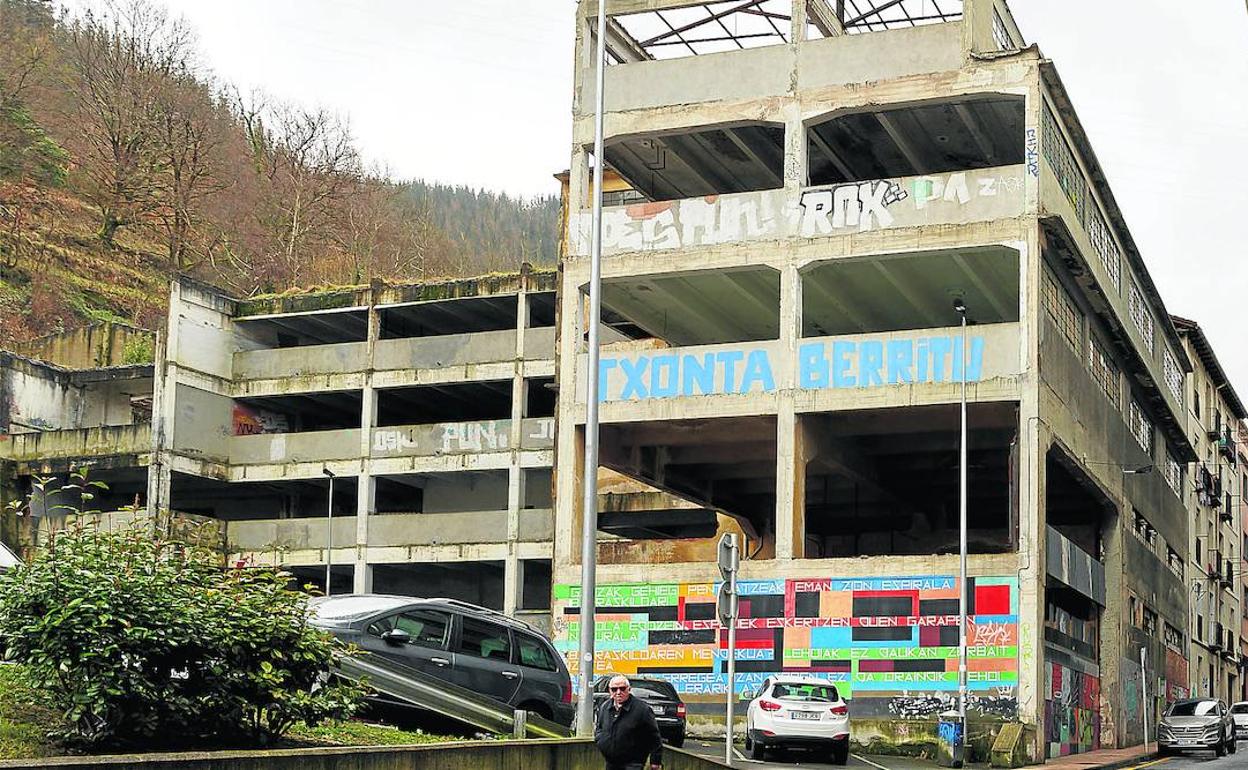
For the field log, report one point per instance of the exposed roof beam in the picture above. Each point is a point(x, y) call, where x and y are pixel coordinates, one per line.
point(875, 11)
point(824, 18)
point(968, 120)
point(831, 154)
point(744, 147)
point(641, 168)
point(717, 318)
point(677, 31)
point(908, 294)
point(711, 164)
point(813, 283)
point(982, 286)
point(622, 45)
point(767, 310)
point(903, 144)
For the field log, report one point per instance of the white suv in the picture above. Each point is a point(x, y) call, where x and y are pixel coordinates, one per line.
point(793, 710)
point(1239, 712)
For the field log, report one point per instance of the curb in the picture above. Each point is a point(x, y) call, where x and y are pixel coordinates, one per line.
point(1121, 763)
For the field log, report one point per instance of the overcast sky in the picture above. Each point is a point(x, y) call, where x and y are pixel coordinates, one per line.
point(478, 92)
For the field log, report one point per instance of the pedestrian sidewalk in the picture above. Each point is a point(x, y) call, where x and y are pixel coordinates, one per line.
point(1104, 759)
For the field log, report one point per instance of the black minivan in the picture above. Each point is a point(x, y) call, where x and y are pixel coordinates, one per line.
point(473, 647)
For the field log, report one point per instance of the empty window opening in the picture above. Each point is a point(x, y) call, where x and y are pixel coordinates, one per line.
point(312, 579)
point(538, 488)
point(910, 291)
point(1074, 504)
point(712, 160)
point(963, 134)
point(125, 487)
point(302, 329)
point(297, 413)
point(540, 397)
point(469, 315)
point(1072, 622)
point(725, 465)
point(262, 500)
point(884, 482)
point(541, 309)
point(535, 594)
point(475, 582)
point(453, 402)
point(451, 492)
point(697, 308)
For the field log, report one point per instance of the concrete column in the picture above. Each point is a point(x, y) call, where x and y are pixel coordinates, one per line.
point(791, 444)
point(1114, 627)
point(366, 487)
point(570, 442)
point(512, 582)
point(159, 478)
point(794, 147)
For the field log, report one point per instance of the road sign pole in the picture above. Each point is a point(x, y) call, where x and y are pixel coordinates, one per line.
point(729, 561)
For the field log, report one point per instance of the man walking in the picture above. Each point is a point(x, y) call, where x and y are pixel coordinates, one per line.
point(625, 730)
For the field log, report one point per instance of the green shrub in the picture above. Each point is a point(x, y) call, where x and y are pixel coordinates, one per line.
point(138, 639)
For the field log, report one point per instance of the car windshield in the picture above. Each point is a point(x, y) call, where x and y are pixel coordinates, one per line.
point(659, 690)
point(823, 693)
point(1239, 708)
point(1194, 708)
point(352, 607)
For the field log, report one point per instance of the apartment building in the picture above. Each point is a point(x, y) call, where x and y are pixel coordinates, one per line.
point(1214, 497)
point(817, 184)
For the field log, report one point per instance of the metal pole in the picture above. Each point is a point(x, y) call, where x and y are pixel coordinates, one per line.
point(732, 653)
point(962, 501)
point(1144, 712)
point(589, 505)
point(329, 529)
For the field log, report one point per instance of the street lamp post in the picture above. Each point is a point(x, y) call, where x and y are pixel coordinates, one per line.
point(589, 506)
point(329, 528)
point(960, 307)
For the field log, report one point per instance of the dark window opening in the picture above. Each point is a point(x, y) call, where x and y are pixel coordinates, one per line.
point(469, 315)
point(449, 403)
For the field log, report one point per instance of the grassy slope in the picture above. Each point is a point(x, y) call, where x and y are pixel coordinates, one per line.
point(58, 274)
point(25, 725)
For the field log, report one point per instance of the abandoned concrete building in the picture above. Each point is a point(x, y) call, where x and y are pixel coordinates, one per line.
point(800, 191)
point(814, 185)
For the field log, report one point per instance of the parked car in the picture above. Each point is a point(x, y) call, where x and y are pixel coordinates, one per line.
point(797, 711)
point(470, 646)
point(1239, 713)
point(1196, 723)
point(661, 696)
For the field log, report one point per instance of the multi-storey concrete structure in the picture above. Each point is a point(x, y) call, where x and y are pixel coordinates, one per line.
point(821, 181)
point(1214, 417)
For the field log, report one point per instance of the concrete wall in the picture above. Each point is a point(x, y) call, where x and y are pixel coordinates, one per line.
point(482, 755)
point(446, 350)
point(202, 423)
point(812, 212)
point(84, 443)
point(40, 398)
point(92, 347)
point(301, 361)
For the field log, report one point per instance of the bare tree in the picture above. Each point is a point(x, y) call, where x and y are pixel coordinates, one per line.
point(188, 127)
point(25, 41)
point(311, 164)
point(119, 62)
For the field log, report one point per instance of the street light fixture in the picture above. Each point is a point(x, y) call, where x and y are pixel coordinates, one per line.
point(329, 528)
point(959, 307)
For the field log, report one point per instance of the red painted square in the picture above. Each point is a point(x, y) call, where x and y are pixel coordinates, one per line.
point(929, 636)
point(992, 600)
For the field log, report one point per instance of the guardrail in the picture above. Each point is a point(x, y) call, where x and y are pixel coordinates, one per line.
point(423, 691)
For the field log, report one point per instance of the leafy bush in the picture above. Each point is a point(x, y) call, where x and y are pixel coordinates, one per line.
point(138, 638)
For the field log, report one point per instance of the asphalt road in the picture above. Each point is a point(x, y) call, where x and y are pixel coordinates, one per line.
point(808, 759)
point(1206, 759)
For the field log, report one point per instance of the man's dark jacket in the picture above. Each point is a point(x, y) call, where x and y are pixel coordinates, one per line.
point(628, 735)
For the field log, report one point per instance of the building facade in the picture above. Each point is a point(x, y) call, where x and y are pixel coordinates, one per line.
point(818, 186)
point(1215, 496)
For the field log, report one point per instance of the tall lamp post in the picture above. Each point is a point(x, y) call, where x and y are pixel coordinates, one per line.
point(329, 528)
point(589, 505)
point(960, 307)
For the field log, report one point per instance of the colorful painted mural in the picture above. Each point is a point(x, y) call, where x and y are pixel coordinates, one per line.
point(1072, 722)
point(892, 641)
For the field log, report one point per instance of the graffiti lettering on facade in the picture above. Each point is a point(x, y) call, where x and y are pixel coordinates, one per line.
point(1072, 722)
point(474, 436)
point(876, 645)
point(1033, 152)
point(459, 438)
point(861, 206)
point(250, 421)
point(820, 365)
point(819, 211)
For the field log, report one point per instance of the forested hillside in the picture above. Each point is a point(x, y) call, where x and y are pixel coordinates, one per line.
point(123, 162)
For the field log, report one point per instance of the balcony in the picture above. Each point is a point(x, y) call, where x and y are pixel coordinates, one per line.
point(81, 444)
point(1227, 578)
point(1214, 567)
point(1225, 443)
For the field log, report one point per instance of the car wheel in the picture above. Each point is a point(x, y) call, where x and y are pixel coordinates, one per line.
point(840, 753)
point(757, 750)
point(677, 741)
point(1220, 749)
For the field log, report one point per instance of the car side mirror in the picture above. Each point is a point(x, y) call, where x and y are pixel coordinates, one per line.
point(396, 636)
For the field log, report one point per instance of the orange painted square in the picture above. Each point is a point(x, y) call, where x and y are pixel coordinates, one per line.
point(836, 604)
